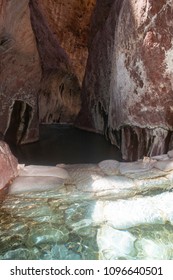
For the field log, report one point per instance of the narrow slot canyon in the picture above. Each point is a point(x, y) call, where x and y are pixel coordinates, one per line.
point(86, 129)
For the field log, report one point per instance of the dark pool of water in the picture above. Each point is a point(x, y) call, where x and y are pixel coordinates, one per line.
point(66, 144)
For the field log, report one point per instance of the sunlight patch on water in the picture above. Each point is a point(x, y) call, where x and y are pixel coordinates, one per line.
point(87, 215)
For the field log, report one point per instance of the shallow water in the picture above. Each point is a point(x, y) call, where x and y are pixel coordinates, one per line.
point(66, 144)
point(87, 218)
point(55, 228)
point(106, 211)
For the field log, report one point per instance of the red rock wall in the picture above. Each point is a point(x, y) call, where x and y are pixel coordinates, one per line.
point(142, 93)
point(127, 90)
point(31, 56)
point(69, 21)
point(96, 85)
point(51, 54)
point(59, 95)
point(128, 84)
point(20, 72)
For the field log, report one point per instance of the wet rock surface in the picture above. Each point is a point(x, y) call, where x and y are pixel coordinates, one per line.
point(89, 214)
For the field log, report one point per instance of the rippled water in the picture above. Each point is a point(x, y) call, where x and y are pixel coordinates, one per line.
point(54, 228)
point(87, 217)
point(79, 221)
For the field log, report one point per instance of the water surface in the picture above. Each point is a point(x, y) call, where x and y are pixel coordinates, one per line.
point(66, 144)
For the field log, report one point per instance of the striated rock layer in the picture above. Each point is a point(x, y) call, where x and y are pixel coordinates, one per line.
point(127, 90)
point(20, 73)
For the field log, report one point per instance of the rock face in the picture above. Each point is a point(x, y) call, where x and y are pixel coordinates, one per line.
point(127, 90)
point(70, 22)
point(8, 165)
point(20, 73)
point(34, 60)
point(59, 96)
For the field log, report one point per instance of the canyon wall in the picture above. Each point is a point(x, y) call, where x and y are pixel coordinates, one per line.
point(20, 73)
point(61, 29)
point(69, 21)
point(39, 54)
point(127, 90)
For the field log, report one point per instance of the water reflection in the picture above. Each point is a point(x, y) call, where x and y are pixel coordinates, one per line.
point(66, 144)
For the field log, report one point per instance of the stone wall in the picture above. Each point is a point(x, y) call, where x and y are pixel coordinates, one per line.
point(40, 48)
point(70, 22)
point(59, 95)
point(20, 73)
point(127, 90)
point(127, 87)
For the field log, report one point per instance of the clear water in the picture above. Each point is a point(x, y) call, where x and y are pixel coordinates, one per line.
point(67, 224)
point(77, 222)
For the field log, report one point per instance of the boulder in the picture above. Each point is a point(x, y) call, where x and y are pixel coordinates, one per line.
point(109, 167)
point(41, 170)
point(8, 165)
point(32, 184)
point(165, 165)
point(170, 154)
